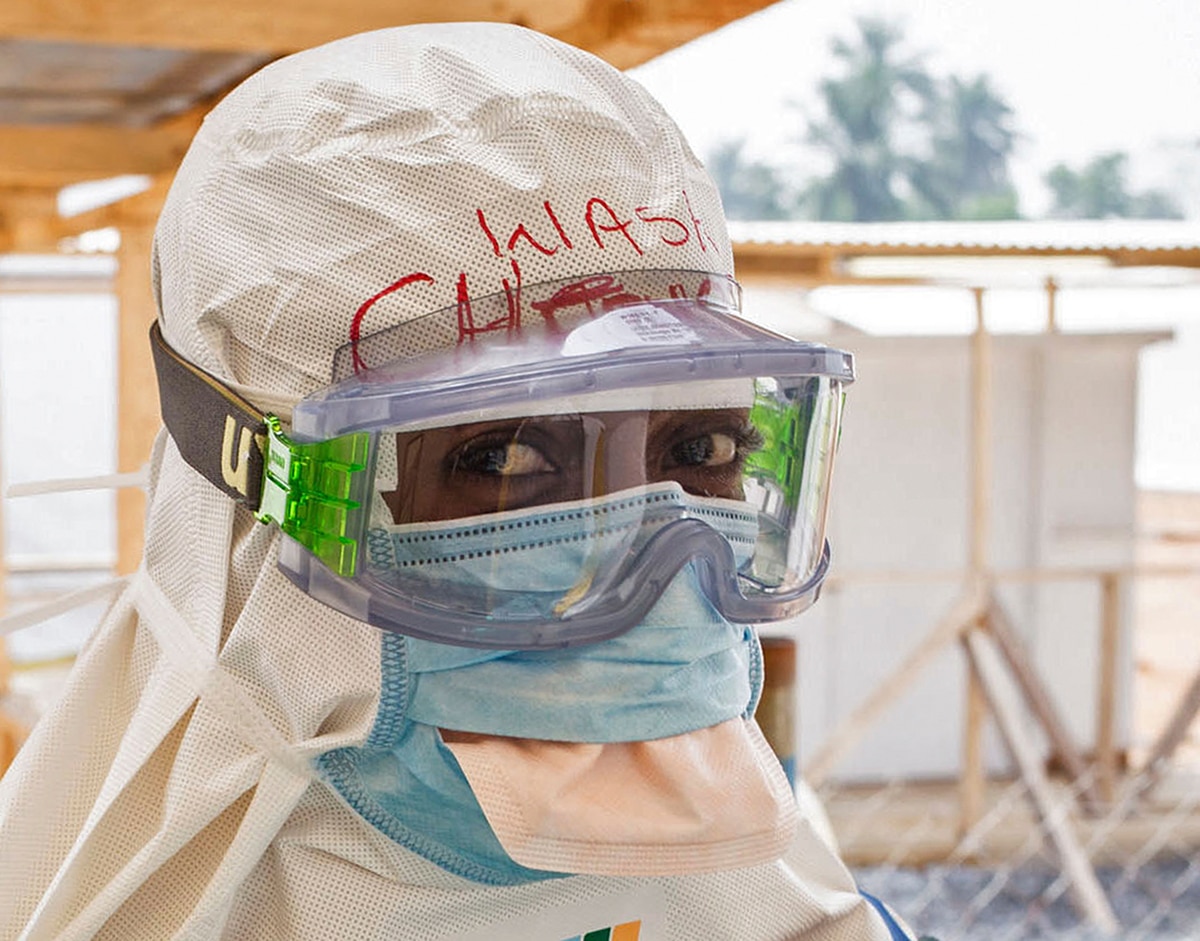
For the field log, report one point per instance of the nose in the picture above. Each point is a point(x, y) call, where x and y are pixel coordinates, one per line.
point(616, 451)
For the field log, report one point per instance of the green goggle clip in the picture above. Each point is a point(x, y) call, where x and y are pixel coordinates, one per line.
point(313, 493)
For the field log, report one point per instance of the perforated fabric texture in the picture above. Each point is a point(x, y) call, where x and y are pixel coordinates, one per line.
point(324, 181)
point(384, 892)
point(171, 793)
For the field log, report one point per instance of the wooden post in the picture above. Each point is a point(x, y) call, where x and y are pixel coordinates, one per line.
point(138, 418)
point(3, 568)
point(1086, 888)
point(11, 733)
point(776, 712)
point(971, 789)
point(1051, 306)
point(981, 441)
point(964, 613)
point(1106, 706)
point(972, 784)
point(5, 757)
point(1037, 698)
point(1171, 737)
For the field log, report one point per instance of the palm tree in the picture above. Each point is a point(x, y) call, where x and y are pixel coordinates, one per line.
point(1100, 190)
point(967, 173)
point(867, 111)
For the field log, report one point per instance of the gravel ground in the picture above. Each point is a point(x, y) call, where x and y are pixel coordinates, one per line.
point(1160, 901)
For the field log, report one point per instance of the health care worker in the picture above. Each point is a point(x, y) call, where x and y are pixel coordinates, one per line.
point(472, 480)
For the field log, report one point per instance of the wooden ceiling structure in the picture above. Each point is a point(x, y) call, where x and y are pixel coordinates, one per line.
point(93, 89)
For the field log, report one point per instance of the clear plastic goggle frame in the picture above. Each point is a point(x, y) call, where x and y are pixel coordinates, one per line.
point(541, 488)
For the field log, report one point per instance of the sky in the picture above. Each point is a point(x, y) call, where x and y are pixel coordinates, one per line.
point(1083, 76)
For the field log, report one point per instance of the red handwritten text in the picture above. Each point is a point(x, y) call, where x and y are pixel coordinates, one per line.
point(547, 234)
point(356, 323)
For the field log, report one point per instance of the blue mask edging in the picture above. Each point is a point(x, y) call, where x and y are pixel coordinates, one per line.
point(407, 784)
point(757, 672)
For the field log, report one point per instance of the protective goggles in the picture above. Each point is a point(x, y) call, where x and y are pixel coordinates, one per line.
point(540, 479)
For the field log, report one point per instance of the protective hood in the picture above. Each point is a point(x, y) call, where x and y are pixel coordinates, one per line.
point(172, 793)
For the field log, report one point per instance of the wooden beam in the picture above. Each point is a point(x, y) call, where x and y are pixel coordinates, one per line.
point(57, 156)
point(972, 787)
point(1051, 306)
point(256, 25)
point(25, 212)
point(1085, 887)
point(808, 265)
point(29, 219)
point(629, 32)
point(625, 32)
point(1171, 737)
point(973, 781)
point(1106, 701)
point(965, 612)
point(981, 440)
point(139, 209)
point(1183, 257)
point(1037, 696)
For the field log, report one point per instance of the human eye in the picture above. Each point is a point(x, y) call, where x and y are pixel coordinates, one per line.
point(716, 448)
point(711, 450)
point(501, 456)
point(706, 452)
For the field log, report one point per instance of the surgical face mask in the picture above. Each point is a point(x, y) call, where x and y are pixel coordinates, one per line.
point(684, 668)
point(634, 756)
point(623, 384)
point(530, 564)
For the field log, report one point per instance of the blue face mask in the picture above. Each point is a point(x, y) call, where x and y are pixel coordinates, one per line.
point(683, 668)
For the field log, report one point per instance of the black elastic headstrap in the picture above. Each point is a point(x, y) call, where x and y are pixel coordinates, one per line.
point(220, 434)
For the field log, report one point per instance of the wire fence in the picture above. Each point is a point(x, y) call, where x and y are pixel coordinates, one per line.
point(1076, 840)
point(1003, 879)
point(1053, 854)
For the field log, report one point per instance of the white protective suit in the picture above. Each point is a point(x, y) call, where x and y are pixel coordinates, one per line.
point(172, 792)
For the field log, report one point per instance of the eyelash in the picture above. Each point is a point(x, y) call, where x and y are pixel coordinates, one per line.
point(749, 439)
point(746, 439)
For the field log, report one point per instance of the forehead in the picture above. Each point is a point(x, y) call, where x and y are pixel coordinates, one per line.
point(679, 397)
point(653, 420)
